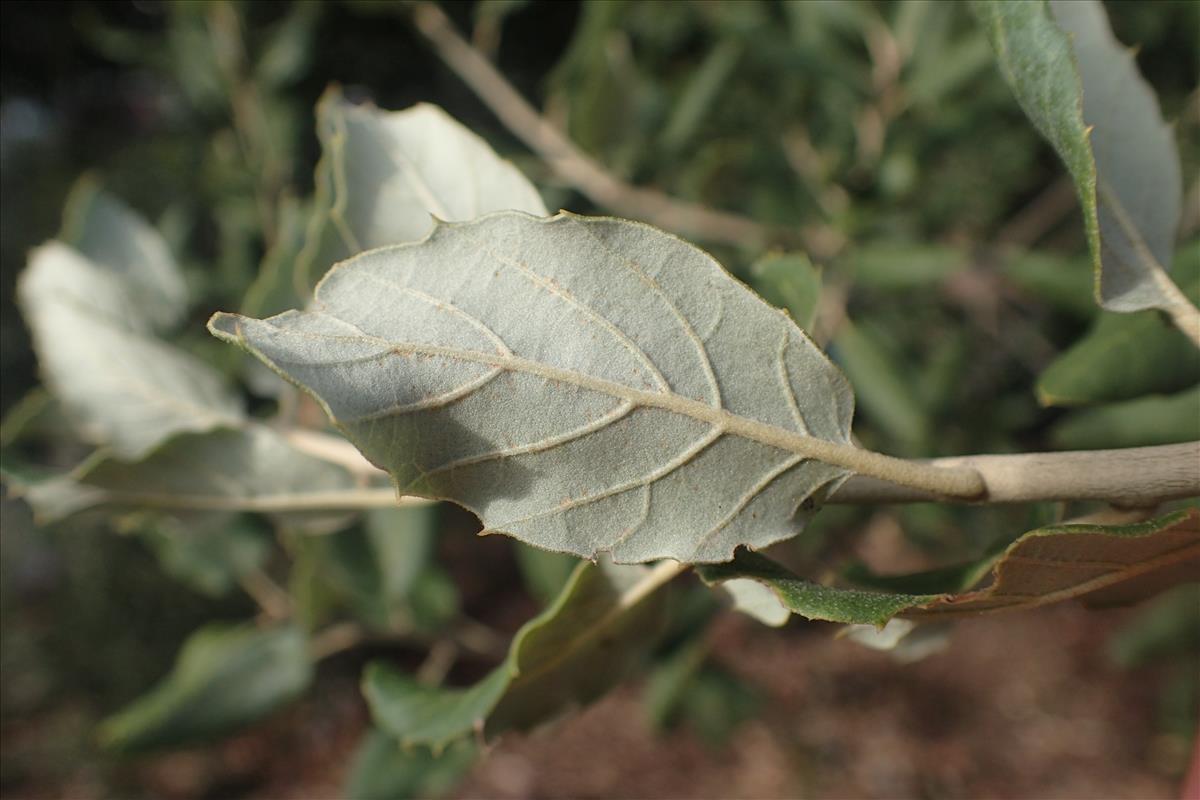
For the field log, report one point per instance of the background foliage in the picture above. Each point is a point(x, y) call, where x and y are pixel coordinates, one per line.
point(943, 226)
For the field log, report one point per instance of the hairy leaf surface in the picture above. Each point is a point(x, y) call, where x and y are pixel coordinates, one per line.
point(585, 385)
point(569, 655)
point(1100, 564)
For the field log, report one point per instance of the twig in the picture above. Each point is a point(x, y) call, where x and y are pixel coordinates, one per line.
point(1132, 477)
point(1040, 215)
point(572, 164)
point(335, 639)
point(269, 595)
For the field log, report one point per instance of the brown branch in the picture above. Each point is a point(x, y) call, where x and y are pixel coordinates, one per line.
point(581, 170)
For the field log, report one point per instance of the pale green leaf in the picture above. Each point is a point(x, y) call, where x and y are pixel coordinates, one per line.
point(1083, 92)
point(585, 385)
point(1101, 565)
point(122, 387)
point(385, 176)
point(569, 655)
point(128, 250)
point(250, 469)
point(210, 554)
point(1139, 183)
point(225, 678)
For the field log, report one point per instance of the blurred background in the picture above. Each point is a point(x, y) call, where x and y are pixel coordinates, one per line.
point(954, 274)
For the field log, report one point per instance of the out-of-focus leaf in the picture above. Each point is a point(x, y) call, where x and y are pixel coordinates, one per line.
point(568, 655)
point(376, 569)
point(882, 388)
point(126, 248)
point(1128, 355)
point(545, 573)
point(385, 176)
point(1171, 625)
point(1082, 90)
point(1101, 565)
point(1134, 423)
point(702, 90)
point(209, 556)
point(225, 678)
point(756, 600)
point(572, 381)
point(274, 289)
point(895, 266)
point(289, 47)
point(1064, 284)
point(904, 640)
point(686, 688)
point(250, 469)
point(123, 388)
point(789, 281)
point(382, 770)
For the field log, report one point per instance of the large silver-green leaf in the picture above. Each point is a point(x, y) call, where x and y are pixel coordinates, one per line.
point(121, 386)
point(572, 653)
point(1082, 91)
point(225, 677)
point(385, 176)
point(584, 385)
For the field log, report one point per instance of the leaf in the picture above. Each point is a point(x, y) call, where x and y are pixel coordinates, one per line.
point(384, 177)
point(789, 281)
point(127, 249)
point(225, 677)
point(1125, 356)
point(1143, 422)
point(544, 573)
point(1170, 626)
point(584, 385)
point(382, 770)
point(896, 266)
point(569, 655)
point(1104, 122)
point(209, 555)
point(122, 387)
point(881, 385)
point(251, 469)
point(1102, 565)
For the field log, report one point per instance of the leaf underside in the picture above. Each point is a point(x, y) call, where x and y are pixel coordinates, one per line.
point(1101, 565)
point(583, 384)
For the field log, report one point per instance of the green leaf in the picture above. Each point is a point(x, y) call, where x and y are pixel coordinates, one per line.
point(124, 247)
point(1102, 565)
point(585, 385)
point(887, 397)
point(122, 387)
point(1134, 423)
point(225, 678)
point(384, 177)
point(1125, 356)
point(896, 266)
point(544, 573)
point(209, 555)
point(569, 655)
point(1082, 91)
point(789, 281)
point(382, 770)
point(1168, 627)
point(251, 469)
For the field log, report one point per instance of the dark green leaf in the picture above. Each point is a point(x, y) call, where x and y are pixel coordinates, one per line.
point(382, 770)
point(1134, 423)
